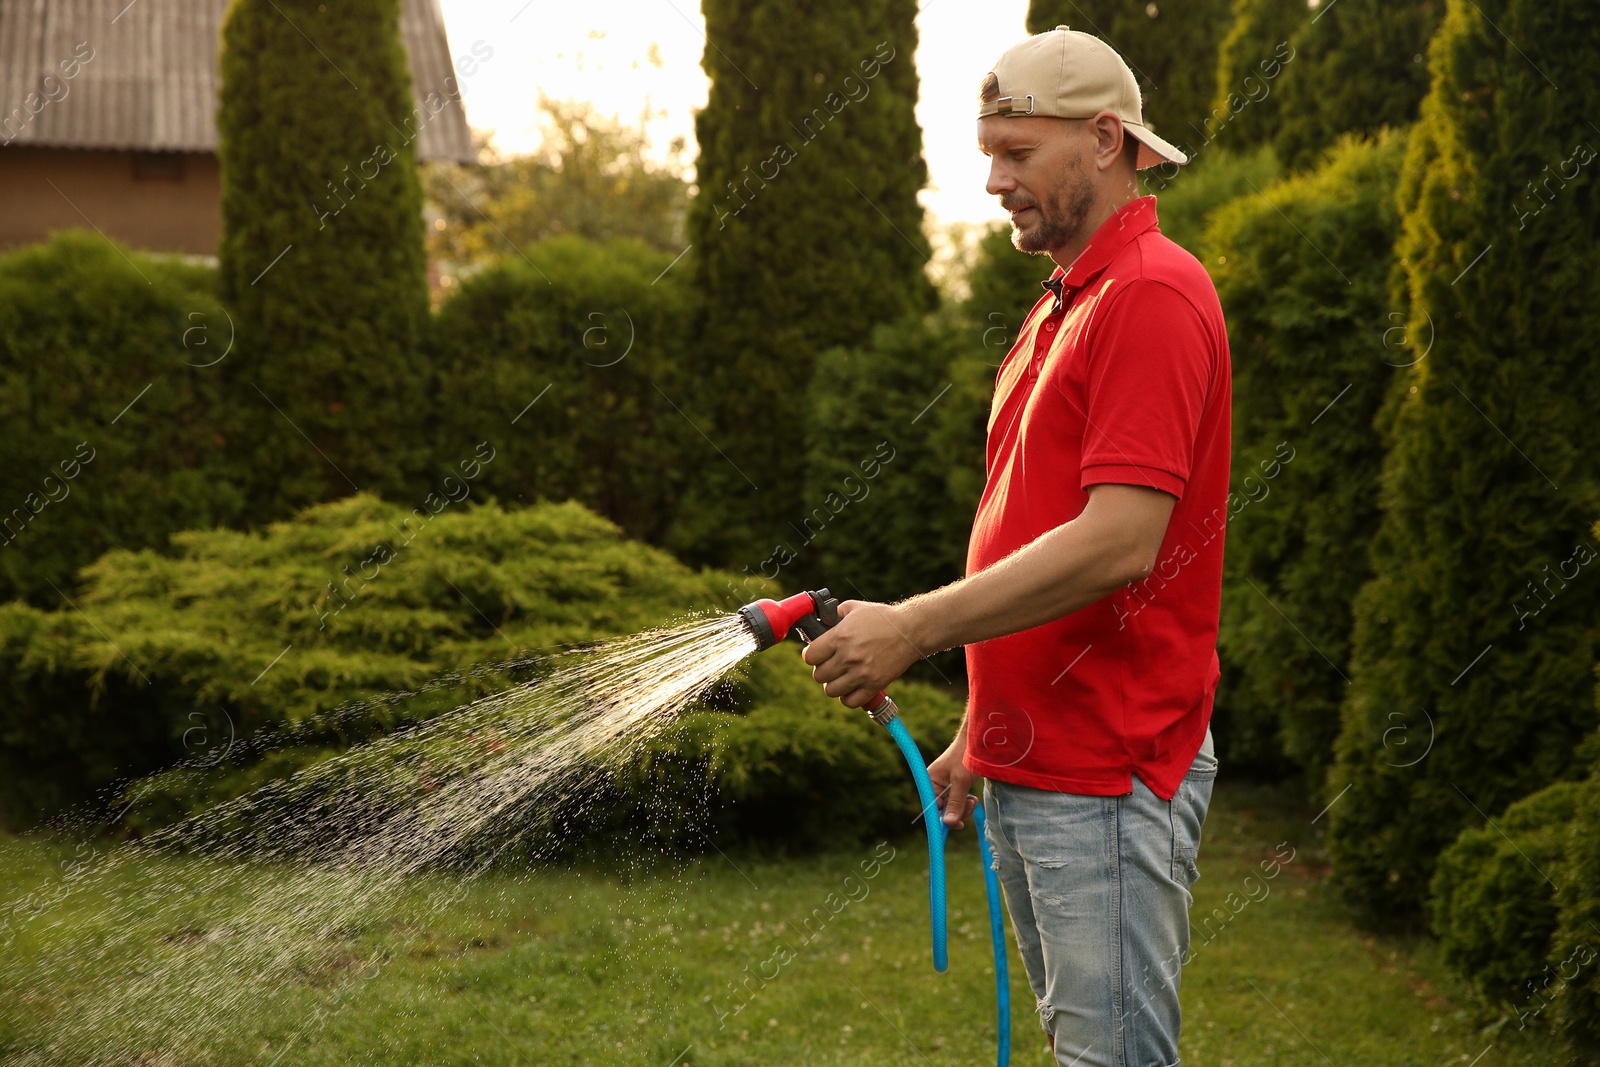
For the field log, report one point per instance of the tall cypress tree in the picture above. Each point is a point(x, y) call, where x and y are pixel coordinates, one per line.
point(1171, 46)
point(806, 233)
point(1254, 57)
point(1477, 632)
point(1360, 67)
point(322, 257)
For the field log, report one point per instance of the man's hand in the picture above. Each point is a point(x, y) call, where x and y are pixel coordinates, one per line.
point(952, 783)
point(859, 657)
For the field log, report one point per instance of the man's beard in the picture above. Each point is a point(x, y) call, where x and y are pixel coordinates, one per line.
point(1061, 216)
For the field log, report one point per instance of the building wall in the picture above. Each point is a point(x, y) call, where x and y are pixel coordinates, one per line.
point(158, 202)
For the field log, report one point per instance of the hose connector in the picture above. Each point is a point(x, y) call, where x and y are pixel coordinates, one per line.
point(882, 710)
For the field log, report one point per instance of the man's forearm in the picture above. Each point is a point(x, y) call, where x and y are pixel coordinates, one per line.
point(1063, 570)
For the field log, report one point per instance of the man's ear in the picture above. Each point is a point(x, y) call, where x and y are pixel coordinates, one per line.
point(1108, 139)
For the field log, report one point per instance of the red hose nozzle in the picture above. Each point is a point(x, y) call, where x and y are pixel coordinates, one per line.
point(810, 614)
point(771, 620)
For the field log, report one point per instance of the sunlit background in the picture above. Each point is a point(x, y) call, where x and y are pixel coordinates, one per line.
point(641, 62)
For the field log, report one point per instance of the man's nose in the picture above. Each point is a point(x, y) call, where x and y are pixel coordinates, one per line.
point(1000, 179)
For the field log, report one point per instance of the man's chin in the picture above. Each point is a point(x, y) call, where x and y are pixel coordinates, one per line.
point(1030, 239)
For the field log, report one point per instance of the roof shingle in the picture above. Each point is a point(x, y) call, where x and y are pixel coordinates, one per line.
point(152, 84)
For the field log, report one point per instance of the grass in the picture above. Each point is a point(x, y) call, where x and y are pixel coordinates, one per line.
point(583, 966)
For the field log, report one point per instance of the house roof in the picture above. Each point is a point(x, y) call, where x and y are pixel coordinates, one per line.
point(153, 81)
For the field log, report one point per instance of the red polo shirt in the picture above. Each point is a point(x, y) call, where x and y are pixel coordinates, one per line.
point(1122, 379)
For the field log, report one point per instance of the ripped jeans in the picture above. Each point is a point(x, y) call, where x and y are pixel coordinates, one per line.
point(1098, 890)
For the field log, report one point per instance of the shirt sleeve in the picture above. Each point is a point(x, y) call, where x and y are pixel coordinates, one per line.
point(1150, 370)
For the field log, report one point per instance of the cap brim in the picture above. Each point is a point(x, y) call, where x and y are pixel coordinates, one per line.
point(1153, 151)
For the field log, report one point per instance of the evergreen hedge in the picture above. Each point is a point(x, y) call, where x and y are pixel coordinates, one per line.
point(322, 261)
point(1481, 609)
point(1303, 272)
point(806, 234)
point(112, 408)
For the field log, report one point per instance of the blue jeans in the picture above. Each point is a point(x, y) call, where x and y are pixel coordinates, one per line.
point(1098, 890)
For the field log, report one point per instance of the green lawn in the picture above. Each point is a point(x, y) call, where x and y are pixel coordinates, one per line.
point(579, 966)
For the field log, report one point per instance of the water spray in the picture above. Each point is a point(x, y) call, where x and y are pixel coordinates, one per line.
point(811, 614)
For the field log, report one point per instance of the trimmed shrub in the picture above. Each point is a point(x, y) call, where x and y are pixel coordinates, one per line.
point(570, 363)
point(1481, 609)
point(1494, 893)
point(806, 233)
point(111, 408)
point(1310, 370)
point(322, 260)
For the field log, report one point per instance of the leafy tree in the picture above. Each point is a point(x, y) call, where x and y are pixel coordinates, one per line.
point(322, 261)
point(806, 233)
point(1482, 606)
point(590, 176)
point(1360, 67)
point(1302, 271)
point(1170, 46)
point(111, 408)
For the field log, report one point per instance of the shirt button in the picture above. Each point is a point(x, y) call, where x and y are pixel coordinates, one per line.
point(1050, 327)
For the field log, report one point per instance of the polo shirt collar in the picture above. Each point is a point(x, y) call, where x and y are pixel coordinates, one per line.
point(1129, 221)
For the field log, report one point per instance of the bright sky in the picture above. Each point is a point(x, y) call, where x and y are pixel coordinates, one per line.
point(632, 57)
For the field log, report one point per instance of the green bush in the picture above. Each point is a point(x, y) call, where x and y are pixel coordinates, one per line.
point(1494, 893)
point(1481, 611)
point(245, 657)
point(596, 339)
point(111, 408)
point(1310, 370)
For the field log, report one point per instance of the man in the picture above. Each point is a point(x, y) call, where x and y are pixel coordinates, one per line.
point(1089, 609)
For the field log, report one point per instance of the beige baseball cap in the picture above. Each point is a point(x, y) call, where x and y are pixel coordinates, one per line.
point(1067, 74)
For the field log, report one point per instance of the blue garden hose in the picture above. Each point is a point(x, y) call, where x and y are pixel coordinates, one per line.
point(937, 832)
point(997, 933)
point(812, 614)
